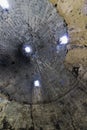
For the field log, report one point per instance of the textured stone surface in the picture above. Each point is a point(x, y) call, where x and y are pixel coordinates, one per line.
point(37, 23)
point(66, 114)
point(61, 101)
point(75, 15)
point(14, 116)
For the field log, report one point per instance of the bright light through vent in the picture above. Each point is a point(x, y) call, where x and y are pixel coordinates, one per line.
point(64, 39)
point(28, 49)
point(37, 83)
point(4, 4)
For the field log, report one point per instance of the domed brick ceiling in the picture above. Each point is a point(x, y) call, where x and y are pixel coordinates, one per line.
point(42, 81)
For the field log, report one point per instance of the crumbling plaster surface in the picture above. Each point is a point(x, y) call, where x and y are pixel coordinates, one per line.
point(69, 111)
point(75, 15)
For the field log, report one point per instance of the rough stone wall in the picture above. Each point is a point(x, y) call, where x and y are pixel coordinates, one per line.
point(67, 113)
point(66, 106)
point(75, 15)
